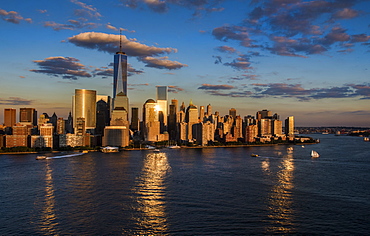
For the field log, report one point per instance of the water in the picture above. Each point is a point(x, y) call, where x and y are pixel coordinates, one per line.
point(213, 191)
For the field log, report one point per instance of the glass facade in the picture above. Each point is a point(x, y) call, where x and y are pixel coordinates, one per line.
point(120, 74)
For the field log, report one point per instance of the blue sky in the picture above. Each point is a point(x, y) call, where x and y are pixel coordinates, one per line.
point(309, 59)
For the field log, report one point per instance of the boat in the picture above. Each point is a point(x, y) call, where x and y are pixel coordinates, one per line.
point(366, 139)
point(254, 155)
point(174, 147)
point(40, 157)
point(109, 149)
point(85, 151)
point(289, 149)
point(156, 150)
point(314, 154)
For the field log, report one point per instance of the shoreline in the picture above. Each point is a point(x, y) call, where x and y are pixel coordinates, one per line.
point(181, 147)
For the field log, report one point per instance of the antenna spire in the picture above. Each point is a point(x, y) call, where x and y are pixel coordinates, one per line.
point(120, 40)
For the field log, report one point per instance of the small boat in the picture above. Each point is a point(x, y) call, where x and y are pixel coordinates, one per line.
point(302, 146)
point(254, 155)
point(289, 149)
point(85, 151)
point(109, 149)
point(156, 150)
point(40, 157)
point(314, 154)
point(366, 139)
point(174, 147)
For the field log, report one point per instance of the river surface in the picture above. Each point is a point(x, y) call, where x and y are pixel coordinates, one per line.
point(211, 191)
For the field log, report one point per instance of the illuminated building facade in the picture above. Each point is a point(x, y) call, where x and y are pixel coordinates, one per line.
point(84, 106)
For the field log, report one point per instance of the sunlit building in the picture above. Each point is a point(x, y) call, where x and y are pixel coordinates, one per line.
point(9, 117)
point(84, 106)
point(289, 126)
point(162, 107)
point(28, 116)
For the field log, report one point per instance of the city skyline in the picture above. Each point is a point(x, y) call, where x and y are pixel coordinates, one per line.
point(302, 58)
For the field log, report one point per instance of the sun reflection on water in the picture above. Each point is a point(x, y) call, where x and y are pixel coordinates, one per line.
point(280, 198)
point(150, 193)
point(48, 221)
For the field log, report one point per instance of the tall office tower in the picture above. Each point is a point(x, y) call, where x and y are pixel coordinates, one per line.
point(232, 112)
point(134, 119)
point(175, 103)
point(172, 122)
point(120, 73)
point(28, 115)
point(69, 124)
point(264, 114)
point(238, 127)
point(102, 113)
point(209, 110)
point(151, 127)
point(201, 113)
point(61, 126)
point(84, 106)
point(9, 117)
point(289, 126)
point(162, 106)
point(191, 117)
point(53, 119)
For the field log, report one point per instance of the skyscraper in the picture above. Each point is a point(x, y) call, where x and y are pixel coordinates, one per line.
point(9, 117)
point(120, 73)
point(162, 106)
point(28, 115)
point(84, 106)
point(289, 126)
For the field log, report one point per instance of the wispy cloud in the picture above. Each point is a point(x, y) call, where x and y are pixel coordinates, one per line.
point(15, 101)
point(174, 89)
point(86, 11)
point(13, 17)
point(162, 6)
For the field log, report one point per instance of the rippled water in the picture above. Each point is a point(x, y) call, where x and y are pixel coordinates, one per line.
point(213, 191)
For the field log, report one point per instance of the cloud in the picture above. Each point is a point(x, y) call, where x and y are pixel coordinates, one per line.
point(162, 6)
point(174, 89)
point(111, 27)
point(15, 101)
point(345, 13)
point(86, 11)
point(67, 67)
point(72, 25)
point(240, 63)
point(237, 33)
point(226, 49)
point(110, 43)
point(13, 17)
point(132, 71)
point(294, 28)
point(161, 63)
point(216, 87)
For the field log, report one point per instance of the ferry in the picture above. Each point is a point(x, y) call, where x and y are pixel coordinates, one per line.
point(40, 157)
point(110, 149)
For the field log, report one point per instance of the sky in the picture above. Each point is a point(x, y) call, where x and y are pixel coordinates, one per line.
point(307, 59)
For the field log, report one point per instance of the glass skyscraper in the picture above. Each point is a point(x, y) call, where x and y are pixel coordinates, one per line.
point(120, 74)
